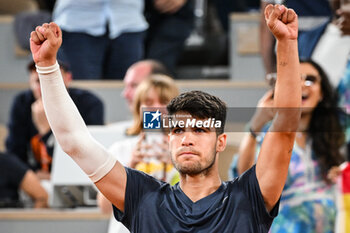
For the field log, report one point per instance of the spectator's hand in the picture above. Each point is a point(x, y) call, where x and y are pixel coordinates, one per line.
point(39, 204)
point(137, 154)
point(343, 21)
point(282, 22)
point(333, 174)
point(264, 112)
point(39, 117)
point(163, 154)
point(168, 6)
point(44, 44)
point(43, 175)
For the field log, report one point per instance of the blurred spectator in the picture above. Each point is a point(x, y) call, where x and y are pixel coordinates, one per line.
point(307, 201)
point(153, 93)
point(225, 7)
point(333, 48)
point(145, 151)
point(16, 6)
point(101, 39)
point(313, 18)
point(29, 134)
point(26, 22)
point(15, 176)
point(137, 73)
point(170, 23)
point(343, 14)
point(46, 4)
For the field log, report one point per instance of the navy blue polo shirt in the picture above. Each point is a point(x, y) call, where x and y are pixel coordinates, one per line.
point(152, 206)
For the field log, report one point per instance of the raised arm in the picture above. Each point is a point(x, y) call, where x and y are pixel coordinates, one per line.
point(66, 122)
point(276, 150)
point(248, 146)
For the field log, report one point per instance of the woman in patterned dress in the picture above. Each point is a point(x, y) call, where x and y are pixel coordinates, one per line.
point(307, 201)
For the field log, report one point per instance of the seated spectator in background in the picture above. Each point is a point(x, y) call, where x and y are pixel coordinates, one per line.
point(147, 152)
point(312, 14)
point(15, 176)
point(333, 54)
point(333, 48)
point(29, 134)
point(134, 152)
point(170, 23)
point(137, 73)
point(307, 202)
point(101, 39)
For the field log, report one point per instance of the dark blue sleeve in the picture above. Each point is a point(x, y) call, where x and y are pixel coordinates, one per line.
point(18, 129)
point(90, 107)
point(250, 186)
point(12, 169)
point(138, 185)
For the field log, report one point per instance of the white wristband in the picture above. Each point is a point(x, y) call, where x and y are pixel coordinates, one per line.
point(47, 69)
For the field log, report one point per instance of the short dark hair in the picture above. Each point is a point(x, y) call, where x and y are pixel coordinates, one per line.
point(200, 105)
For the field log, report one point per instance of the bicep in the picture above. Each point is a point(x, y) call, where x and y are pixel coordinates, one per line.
point(113, 185)
point(272, 165)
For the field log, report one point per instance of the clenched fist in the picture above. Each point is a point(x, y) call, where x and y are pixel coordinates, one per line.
point(44, 44)
point(282, 22)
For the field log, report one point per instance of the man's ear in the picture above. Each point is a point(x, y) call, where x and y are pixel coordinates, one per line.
point(221, 142)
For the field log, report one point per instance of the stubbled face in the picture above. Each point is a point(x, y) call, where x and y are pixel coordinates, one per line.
point(311, 87)
point(193, 150)
point(134, 76)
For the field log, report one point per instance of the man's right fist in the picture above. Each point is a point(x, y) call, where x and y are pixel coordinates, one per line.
point(44, 44)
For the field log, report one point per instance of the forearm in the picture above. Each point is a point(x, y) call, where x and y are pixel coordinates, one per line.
point(61, 112)
point(276, 150)
point(287, 96)
point(69, 127)
point(31, 185)
point(277, 147)
point(247, 150)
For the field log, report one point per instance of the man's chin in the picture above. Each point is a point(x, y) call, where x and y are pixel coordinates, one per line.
point(189, 169)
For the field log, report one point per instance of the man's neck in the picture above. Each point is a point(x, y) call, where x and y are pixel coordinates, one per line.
point(199, 186)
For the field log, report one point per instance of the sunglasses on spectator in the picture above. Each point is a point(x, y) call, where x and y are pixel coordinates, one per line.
point(308, 79)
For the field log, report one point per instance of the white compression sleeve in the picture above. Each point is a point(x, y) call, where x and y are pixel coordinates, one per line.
point(69, 127)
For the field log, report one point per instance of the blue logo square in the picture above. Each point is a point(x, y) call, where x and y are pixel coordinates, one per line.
point(151, 119)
